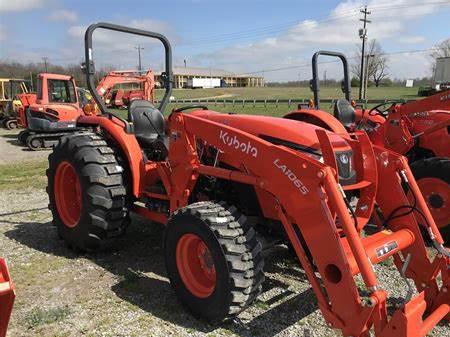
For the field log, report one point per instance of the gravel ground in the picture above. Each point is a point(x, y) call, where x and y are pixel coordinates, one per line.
point(12, 152)
point(126, 292)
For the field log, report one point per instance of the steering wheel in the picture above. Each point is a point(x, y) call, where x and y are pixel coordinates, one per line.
point(382, 109)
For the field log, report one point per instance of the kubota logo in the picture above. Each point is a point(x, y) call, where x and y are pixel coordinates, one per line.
point(291, 176)
point(233, 141)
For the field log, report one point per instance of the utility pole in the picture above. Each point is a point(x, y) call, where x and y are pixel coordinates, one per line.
point(185, 63)
point(325, 78)
point(31, 81)
point(45, 59)
point(367, 73)
point(139, 48)
point(363, 36)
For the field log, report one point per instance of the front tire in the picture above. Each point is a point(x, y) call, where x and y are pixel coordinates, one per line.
point(433, 177)
point(213, 260)
point(87, 192)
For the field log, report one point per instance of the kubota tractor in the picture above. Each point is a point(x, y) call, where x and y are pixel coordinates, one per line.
point(120, 98)
point(7, 296)
point(221, 182)
point(50, 113)
point(419, 130)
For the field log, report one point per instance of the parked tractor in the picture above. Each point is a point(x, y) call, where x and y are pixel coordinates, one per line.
point(222, 182)
point(7, 296)
point(50, 113)
point(117, 97)
point(419, 130)
point(10, 92)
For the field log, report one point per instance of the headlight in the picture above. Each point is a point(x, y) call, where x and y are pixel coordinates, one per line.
point(347, 175)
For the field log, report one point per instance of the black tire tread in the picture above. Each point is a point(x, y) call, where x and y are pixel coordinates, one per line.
point(106, 194)
point(241, 249)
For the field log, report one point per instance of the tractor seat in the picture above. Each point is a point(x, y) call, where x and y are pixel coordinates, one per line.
point(149, 129)
point(344, 112)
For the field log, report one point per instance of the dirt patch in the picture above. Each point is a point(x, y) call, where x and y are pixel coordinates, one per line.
point(126, 292)
point(12, 152)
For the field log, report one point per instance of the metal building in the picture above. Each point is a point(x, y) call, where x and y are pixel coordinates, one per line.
point(228, 79)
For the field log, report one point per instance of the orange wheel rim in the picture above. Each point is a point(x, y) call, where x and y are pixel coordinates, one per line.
point(196, 265)
point(437, 196)
point(67, 191)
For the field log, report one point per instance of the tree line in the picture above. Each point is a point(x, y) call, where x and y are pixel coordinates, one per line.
point(30, 71)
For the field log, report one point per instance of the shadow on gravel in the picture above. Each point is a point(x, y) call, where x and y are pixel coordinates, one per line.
point(12, 139)
point(20, 212)
point(138, 262)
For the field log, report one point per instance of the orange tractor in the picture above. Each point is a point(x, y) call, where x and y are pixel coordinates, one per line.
point(7, 296)
point(419, 130)
point(50, 113)
point(221, 182)
point(120, 98)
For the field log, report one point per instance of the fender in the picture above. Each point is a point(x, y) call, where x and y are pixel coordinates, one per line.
point(319, 118)
point(127, 142)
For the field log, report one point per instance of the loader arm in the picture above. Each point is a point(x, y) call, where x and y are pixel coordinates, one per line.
point(310, 201)
point(439, 101)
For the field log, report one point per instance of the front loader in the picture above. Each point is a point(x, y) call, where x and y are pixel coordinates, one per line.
point(419, 130)
point(224, 183)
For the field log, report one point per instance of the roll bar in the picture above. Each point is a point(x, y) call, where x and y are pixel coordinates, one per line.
point(167, 75)
point(315, 85)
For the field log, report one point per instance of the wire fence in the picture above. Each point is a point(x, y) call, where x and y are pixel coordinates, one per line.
point(276, 102)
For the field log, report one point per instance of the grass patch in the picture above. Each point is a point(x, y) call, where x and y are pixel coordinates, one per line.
point(289, 92)
point(38, 316)
point(21, 175)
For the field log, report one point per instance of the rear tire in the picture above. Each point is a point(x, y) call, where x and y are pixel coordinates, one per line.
point(433, 178)
point(83, 167)
point(233, 253)
point(11, 124)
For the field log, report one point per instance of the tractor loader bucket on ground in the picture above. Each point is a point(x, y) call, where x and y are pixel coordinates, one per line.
point(7, 296)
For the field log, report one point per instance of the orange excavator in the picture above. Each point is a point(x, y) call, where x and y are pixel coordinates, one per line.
point(121, 98)
point(7, 296)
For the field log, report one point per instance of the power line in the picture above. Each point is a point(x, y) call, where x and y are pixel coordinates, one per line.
point(416, 51)
point(272, 29)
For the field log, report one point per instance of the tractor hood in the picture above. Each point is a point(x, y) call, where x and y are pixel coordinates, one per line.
point(291, 133)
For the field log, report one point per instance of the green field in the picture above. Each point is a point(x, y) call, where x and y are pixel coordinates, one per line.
point(289, 93)
point(271, 93)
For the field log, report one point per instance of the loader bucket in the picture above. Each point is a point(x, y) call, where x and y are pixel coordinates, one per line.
point(7, 296)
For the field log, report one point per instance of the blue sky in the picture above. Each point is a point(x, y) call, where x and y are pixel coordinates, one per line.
point(241, 36)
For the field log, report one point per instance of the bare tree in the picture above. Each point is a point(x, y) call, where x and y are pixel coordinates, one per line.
point(376, 63)
point(442, 49)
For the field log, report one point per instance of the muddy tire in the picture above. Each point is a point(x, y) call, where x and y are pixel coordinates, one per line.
point(87, 193)
point(213, 260)
point(433, 178)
